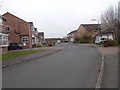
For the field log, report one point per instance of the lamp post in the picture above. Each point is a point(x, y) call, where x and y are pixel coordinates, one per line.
point(97, 23)
point(30, 37)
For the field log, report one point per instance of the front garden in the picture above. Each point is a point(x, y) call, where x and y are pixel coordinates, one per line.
point(16, 54)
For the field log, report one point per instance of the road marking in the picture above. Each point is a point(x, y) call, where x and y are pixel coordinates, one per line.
point(98, 85)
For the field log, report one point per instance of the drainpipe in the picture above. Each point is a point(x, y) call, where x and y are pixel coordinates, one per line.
point(30, 45)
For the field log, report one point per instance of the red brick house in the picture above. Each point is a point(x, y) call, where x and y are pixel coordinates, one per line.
point(20, 31)
point(85, 32)
point(89, 30)
point(3, 37)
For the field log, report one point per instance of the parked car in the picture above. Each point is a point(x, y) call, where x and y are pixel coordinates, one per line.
point(59, 42)
point(14, 46)
point(65, 41)
point(45, 42)
point(100, 40)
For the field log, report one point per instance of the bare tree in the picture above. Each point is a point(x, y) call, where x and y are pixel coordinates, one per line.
point(109, 20)
point(119, 21)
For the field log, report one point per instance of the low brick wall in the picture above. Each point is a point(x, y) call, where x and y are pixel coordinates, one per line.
point(4, 49)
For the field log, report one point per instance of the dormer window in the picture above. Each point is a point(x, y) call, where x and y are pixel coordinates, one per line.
point(7, 28)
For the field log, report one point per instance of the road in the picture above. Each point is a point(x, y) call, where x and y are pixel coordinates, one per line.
point(76, 66)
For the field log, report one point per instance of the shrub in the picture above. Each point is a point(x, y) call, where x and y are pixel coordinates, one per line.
point(112, 42)
point(118, 42)
point(78, 41)
point(50, 43)
point(39, 45)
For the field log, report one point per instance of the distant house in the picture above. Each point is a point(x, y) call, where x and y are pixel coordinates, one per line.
point(84, 30)
point(3, 36)
point(72, 35)
point(41, 37)
point(34, 33)
point(88, 30)
point(19, 30)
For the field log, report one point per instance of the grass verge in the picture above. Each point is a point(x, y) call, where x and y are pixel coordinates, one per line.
point(17, 53)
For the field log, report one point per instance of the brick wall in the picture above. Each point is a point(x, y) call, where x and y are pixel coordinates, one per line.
point(4, 49)
point(81, 32)
point(89, 31)
point(3, 43)
point(18, 29)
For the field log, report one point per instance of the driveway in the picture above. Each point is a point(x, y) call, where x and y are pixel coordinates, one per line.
point(76, 66)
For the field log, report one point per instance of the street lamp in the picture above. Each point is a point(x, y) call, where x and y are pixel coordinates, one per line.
point(97, 23)
point(99, 30)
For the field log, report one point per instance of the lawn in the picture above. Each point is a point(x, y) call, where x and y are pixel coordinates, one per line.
point(17, 53)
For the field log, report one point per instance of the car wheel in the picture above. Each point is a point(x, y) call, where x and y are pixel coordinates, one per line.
point(101, 43)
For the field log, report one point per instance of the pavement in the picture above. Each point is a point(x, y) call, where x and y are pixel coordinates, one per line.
point(46, 51)
point(110, 76)
point(110, 73)
point(110, 69)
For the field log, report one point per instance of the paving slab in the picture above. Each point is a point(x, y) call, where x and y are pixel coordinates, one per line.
point(110, 75)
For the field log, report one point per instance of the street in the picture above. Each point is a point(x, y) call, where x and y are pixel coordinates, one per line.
point(76, 66)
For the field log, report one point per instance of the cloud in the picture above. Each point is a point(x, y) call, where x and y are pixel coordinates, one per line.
point(56, 17)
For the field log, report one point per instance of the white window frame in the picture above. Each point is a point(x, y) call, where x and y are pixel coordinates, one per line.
point(1, 21)
point(6, 27)
point(0, 28)
point(3, 40)
point(25, 39)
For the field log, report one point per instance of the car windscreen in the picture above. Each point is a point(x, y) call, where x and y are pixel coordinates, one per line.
point(103, 38)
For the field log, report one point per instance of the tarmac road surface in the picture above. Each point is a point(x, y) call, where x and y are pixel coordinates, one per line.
point(76, 66)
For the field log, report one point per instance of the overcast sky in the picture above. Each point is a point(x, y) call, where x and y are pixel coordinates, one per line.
point(56, 17)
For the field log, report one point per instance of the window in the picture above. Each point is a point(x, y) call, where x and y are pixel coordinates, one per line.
point(0, 28)
point(0, 37)
point(24, 39)
point(3, 39)
point(103, 38)
point(32, 27)
point(7, 27)
point(1, 22)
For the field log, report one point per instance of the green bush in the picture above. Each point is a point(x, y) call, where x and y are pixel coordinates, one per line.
point(39, 45)
point(112, 42)
point(78, 41)
point(118, 42)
